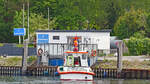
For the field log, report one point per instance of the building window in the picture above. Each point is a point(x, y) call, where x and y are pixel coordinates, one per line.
point(55, 37)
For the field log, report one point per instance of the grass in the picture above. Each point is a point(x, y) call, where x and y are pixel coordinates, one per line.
point(11, 61)
point(1, 44)
point(135, 64)
point(110, 55)
point(15, 61)
point(21, 45)
point(126, 54)
point(108, 64)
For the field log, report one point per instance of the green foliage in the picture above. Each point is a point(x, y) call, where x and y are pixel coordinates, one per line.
point(131, 22)
point(6, 35)
point(110, 55)
point(31, 59)
point(1, 44)
point(138, 46)
point(37, 22)
point(31, 45)
point(148, 23)
point(14, 59)
point(73, 22)
point(10, 61)
point(102, 54)
point(41, 7)
point(117, 15)
point(21, 45)
point(126, 54)
point(139, 34)
point(6, 29)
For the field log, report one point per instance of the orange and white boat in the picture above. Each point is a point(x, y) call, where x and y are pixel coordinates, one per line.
point(75, 65)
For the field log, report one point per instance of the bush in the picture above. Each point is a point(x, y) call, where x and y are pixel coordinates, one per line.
point(31, 59)
point(138, 46)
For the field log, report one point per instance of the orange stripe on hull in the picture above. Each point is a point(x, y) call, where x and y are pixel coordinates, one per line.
point(77, 52)
point(76, 79)
point(76, 72)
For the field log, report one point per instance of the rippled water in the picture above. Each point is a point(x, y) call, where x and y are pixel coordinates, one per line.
point(55, 80)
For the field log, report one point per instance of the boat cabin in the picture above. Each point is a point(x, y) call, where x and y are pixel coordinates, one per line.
point(76, 59)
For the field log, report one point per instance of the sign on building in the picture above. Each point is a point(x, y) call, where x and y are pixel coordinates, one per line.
point(43, 38)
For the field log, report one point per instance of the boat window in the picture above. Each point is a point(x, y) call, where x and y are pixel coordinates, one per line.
point(70, 61)
point(70, 58)
point(83, 56)
point(76, 61)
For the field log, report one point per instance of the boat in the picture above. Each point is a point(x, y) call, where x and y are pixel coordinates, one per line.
point(76, 65)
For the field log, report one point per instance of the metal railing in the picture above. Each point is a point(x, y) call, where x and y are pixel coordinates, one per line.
point(57, 50)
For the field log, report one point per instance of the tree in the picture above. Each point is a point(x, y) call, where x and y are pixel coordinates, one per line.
point(2, 10)
point(148, 28)
point(37, 22)
point(6, 34)
point(113, 10)
point(72, 22)
point(131, 22)
point(41, 7)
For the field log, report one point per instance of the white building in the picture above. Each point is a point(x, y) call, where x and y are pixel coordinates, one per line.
point(55, 42)
point(99, 37)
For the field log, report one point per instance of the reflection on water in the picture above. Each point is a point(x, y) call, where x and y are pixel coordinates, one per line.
point(55, 80)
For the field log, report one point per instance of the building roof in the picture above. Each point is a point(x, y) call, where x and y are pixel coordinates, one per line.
point(106, 30)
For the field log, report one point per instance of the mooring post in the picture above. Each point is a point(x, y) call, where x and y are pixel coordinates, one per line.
point(119, 59)
point(24, 58)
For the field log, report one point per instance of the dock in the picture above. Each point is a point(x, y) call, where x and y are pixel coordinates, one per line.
point(99, 72)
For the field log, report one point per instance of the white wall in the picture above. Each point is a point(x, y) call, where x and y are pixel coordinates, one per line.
point(100, 38)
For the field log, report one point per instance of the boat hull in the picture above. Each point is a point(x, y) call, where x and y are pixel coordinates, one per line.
point(73, 76)
point(75, 73)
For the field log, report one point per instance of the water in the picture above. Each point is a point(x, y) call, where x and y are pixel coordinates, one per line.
point(55, 80)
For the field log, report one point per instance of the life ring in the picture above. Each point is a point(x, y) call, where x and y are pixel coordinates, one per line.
point(93, 52)
point(40, 51)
